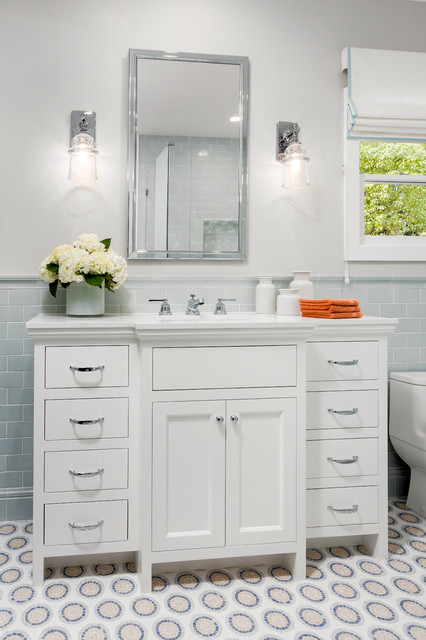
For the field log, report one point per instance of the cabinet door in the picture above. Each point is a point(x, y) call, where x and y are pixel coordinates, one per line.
point(261, 471)
point(188, 475)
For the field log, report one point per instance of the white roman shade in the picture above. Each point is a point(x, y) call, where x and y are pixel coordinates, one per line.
point(386, 94)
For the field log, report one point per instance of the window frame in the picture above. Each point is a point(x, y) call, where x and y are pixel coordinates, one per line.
point(360, 247)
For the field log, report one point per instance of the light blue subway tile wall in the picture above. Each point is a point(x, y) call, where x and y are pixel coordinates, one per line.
point(22, 298)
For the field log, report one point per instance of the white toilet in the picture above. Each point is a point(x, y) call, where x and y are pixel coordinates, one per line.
point(407, 430)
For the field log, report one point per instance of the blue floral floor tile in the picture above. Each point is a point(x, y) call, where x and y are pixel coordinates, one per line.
point(347, 595)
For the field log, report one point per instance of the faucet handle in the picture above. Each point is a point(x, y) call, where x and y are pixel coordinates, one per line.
point(165, 307)
point(219, 309)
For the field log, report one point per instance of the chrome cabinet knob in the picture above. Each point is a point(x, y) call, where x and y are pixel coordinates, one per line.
point(234, 418)
point(219, 419)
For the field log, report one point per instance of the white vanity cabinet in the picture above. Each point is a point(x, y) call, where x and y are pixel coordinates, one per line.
point(346, 422)
point(227, 445)
point(85, 445)
point(183, 441)
point(234, 484)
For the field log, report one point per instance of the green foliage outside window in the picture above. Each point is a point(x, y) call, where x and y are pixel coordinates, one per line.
point(394, 209)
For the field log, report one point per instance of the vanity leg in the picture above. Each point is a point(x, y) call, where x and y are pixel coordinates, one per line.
point(38, 570)
point(144, 570)
point(296, 564)
point(377, 545)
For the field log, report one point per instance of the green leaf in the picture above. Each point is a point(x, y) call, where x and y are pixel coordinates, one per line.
point(94, 280)
point(107, 243)
point(109, 282)
point(53, 287)
point(64, 285)
point(53, 267)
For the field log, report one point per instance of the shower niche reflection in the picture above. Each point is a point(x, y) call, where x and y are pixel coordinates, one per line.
point(187, 163)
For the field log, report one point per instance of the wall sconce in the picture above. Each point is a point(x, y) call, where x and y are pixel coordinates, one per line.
point(292, 155)
point(83, 150)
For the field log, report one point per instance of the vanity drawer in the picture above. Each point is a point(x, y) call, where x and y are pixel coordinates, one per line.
point(223, 367)
point(80, 419)
point(93, 522)
point(100, 366)
point(357, 505)
point(86, 470)
point(342, 409)
point(342, 361)
point(341, 458)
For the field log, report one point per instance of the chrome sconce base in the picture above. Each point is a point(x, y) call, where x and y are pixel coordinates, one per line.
point(287, 132)
point(83, 122)
point(82, 149)
point(292, 155)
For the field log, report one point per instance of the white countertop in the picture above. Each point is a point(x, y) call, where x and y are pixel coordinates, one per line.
point(149, 322)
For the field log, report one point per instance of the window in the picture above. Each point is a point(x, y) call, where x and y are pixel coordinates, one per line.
point(393, 175)
point(386, 200)
point(385, 155)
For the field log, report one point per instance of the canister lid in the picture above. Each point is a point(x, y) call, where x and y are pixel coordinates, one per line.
point(410, 377)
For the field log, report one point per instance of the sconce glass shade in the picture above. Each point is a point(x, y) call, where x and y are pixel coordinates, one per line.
point(295, 167)
point(82, 159)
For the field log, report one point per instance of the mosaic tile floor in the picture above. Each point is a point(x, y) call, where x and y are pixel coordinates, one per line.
point(347, 595)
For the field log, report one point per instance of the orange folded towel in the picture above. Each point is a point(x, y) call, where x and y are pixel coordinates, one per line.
point(337, 308)
point(327, 302)
point(327, 314)
point(332, 308)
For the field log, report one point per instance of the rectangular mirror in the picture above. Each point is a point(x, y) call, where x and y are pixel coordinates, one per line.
point(187, 170)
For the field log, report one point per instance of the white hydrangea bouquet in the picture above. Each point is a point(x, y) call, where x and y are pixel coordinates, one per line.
point(88, 259)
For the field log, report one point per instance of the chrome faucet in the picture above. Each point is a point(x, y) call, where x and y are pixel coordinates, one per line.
point(220, 309)
point(193, 304)
point(165, 307)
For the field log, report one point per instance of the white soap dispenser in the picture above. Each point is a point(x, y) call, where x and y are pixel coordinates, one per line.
point(265, 296)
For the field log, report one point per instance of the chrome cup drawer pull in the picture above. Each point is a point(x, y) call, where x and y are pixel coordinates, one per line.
point(352, 509)
point(86, 474)
point(86, 527)
point(100, 367)
point(344, 363)
point(85, 422)
point(344, 460)
point(347, 412)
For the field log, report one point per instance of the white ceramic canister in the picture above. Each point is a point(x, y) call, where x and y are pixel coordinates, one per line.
point(288, 302)
point(265, 296)
point(303, 284)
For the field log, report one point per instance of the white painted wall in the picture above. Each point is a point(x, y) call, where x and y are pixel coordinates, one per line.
point(58, 55)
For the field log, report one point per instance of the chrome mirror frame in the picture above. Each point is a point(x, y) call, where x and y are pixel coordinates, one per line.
point(135, 253)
